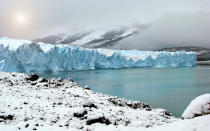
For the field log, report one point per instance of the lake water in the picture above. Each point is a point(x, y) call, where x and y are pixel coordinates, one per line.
point(169, 88)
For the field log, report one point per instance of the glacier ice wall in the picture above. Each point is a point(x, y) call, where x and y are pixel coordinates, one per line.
point(26, 56)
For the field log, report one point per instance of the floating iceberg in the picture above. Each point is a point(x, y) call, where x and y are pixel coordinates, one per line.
point(27, 56)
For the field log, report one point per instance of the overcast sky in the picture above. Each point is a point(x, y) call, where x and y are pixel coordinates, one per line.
point(48, 16)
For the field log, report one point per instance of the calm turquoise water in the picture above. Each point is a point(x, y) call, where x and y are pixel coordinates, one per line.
point(171, 89)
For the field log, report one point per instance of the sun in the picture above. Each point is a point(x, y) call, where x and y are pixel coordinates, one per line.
point(20, 19)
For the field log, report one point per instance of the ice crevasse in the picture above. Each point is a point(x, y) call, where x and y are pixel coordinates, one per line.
point(27, 56)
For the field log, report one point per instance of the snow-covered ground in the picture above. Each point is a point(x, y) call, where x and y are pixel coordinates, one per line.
point(26, 56)
point(33, 103)
point(198, 107)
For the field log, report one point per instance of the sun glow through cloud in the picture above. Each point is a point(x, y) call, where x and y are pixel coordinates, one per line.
point(21, 19)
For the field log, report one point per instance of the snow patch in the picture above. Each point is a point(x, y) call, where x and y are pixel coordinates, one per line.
point(198, 107)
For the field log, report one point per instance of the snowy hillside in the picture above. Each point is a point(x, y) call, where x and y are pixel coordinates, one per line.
point(32, 103)
point(95, 38)
point(26, 56)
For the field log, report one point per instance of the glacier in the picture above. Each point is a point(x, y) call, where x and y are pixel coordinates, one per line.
point(27, 56)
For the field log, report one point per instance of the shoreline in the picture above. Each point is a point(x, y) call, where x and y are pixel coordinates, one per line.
point(33, 103)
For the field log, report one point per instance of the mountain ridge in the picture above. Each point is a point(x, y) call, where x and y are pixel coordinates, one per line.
point(95, 38)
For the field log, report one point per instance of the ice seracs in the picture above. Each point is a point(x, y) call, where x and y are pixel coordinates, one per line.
point(198, 107)
point(27, 56)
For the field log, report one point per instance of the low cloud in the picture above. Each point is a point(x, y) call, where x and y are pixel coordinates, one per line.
point(173, 30)
point(172, 22)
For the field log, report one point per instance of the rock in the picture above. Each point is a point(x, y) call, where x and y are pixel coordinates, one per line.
point(113, 101)
point(90, 105)
point(32, 77)
point(167, 113)
point(68, 79)
point(137, 105)
point(27, 125)
point(59, 79)
point(58, 84)
point(33, 83)
point(41, 118)
point(8, 117)
point(87, 88)
point(25, 103)
point(131, 104)
point(2, 121)
point(102, 120)
point(26, 119)
point(10, 83)
point(67, 125)
point(43, 80)
point(59, 103)
point(80, 114)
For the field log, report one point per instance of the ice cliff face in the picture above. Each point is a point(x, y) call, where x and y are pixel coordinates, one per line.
point(26, 56)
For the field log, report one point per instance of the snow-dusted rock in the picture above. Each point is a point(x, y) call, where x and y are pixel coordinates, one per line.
point(40, 103)
point(62, 105)
point(198, 107)
point(196, 124)
point(26, 56)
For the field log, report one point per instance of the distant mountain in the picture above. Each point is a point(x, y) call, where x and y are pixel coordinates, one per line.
point(96, 38)
point(61, 38)
point(203, 54)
